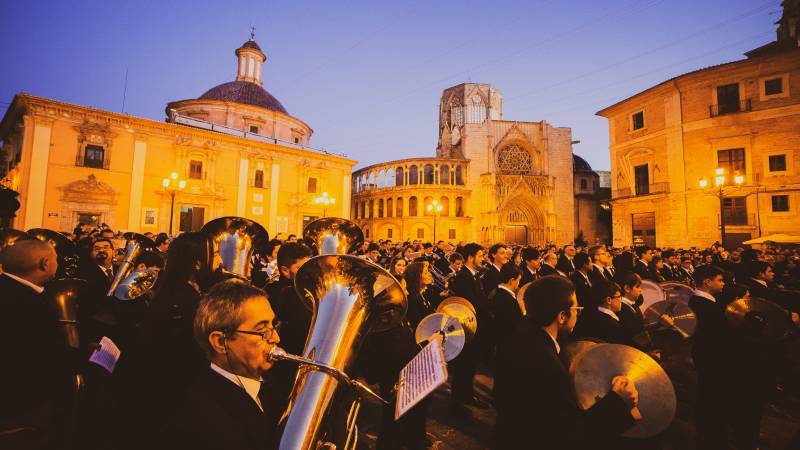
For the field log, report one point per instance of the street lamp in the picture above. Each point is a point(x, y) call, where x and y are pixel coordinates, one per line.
point(324, 200)
point(172, 185)
point(719, 183)
point(435, 208)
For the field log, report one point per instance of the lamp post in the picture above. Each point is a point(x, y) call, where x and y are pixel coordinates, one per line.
point(172, 185)
point(435, 208)
point(324, 200)
point(720, 178)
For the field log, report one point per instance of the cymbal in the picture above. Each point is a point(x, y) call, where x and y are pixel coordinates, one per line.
point(756, 314)
point(463, 311)
point(521, 298)
point(593, 370)
point(571, 351)
point(651, 293)
point(677, 292)
point(453, 338)
point(683, 316)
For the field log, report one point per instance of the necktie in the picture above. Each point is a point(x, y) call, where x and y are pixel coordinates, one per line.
point(109, 274)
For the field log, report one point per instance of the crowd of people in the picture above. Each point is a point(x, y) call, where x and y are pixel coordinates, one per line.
point(193, 370)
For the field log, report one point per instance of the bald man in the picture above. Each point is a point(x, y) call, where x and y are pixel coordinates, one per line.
point(34, 385)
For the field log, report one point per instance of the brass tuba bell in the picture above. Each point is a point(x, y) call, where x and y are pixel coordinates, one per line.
point(137, 284)
point(236, 239)
point(333, 236)
point(136, 244)
point(63, 295)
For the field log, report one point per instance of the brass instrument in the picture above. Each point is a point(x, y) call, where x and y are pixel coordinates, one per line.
point(63, 295)
point(66, 250)
point(236, 239)
point(349, 298)
point(463, 311)
point(11, 235)
point(453, 336)
point(134, 247)
point(759, 318)
point(136, 285)
point(333, 236)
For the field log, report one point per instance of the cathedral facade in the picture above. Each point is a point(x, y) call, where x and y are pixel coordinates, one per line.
point(235, 150)
point(492, 180)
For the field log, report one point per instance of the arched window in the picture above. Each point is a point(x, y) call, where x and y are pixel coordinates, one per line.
point(427, 201)
point(380, 208)
point(363, 182)
point(381, 179)
point(412, 206)
point(398, 176)
point(258, 181)
point(389, 178)
point(459, 207)
point(514, 160)
point(413, 175)
point(459, 178)
point(371, 183)
point(445, 202)
point(584, 184)
point(389, 205)
point(363, 209)
point(428, 174)
point(444, 174)
point(399, 207)
point(371, 209)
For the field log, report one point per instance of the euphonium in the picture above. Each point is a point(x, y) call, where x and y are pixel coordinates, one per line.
point(333, 236)
point(135, 245)
point(66, 250)
point(236, 239)
point(349, 297)
point(137, 284)
point(63, 295)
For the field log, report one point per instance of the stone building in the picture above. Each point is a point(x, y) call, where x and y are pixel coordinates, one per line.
point(589, 197)
point(236, 147)
point(740, 118)
point(496, 180)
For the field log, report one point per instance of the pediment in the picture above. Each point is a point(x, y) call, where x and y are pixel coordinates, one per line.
point(88, 190)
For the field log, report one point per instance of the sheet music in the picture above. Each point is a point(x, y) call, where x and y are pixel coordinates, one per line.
point(421, 376)
point(107, 355)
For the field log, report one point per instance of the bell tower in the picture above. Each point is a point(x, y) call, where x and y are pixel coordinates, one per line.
point(464, 110)
point(251, 61)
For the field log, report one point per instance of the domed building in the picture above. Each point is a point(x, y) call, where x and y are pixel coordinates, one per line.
point(234, 150)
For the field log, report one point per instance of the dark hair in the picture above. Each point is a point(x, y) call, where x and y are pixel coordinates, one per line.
point(290, 252)
point(580, 260)
point(102, 239)
point(594, 250)
point(757, 267)
point(705, 272)
point(623, 261)
point(509, 271)
point(630, 280)
point(392, 264)
point(604, 289)
point(427, 245)
point(184, 253)
point(291, 236)
point(270, 247)
point(667, 254)
point(530, 253)
point(149, 259)
point(373, 247)
point(220, 310)
point(546, 297)
point(413, 277)
point(470, 250)
point(494, 249)
point(161, 238)
point(641, 250)
point(455, 256)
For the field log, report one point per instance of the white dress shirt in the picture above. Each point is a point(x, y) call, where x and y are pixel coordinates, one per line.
point(558, 347)
point(608, 312)
point(249, 385)
point(704, 294)
point(503, 287)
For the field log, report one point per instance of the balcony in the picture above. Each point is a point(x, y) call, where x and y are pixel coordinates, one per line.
point(652, 189)
point(729, 108)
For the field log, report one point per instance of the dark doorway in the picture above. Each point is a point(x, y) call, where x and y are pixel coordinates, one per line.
point(644, 229)
point(516, 234)
point(192, 218)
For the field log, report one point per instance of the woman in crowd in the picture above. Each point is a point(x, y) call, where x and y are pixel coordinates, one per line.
point(418, 278)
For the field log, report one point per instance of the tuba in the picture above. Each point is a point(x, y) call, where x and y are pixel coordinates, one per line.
point(333, 236)
point(63, 294)
point(236, 239)
point(136, 243)
point(136, 285)
point(66, 250)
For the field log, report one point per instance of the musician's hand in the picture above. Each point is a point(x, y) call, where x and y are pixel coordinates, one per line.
point(624, 387)
point(444, 293)
point(655, 354)
point(666, 319)
point(796, 319)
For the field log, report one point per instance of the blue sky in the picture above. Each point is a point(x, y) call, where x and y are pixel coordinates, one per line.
point(367, 76)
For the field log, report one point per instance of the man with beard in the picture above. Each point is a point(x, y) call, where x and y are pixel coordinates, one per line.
point(95, 312)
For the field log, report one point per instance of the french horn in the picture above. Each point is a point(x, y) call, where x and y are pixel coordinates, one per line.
point(136, 244)
point(236, 239)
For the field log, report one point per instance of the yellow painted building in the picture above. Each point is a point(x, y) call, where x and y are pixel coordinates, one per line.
point(742, 118)
point(236, 147)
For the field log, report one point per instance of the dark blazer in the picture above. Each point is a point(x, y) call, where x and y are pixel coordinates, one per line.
point(546, 270)
point(645, 272)
point(35, 384)
point(565, 265)
point(538, 404)
point(583, 290)
point(95, 308)
point(711, 341)
point(215, 413)
point(471, 288)
point(507, 316)
point(631, 320)
point(490, 279)
point(527, 276)
point(597, 275)
point(418, 308)
point(599, 325)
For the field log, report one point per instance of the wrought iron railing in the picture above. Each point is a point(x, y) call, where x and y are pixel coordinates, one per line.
point(729, 108)
point(652, 189)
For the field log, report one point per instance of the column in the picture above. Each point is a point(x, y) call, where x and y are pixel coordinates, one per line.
point(137, 183)
point(346, 186)
point(241, 197)
point(273, 197)
point(37, 175)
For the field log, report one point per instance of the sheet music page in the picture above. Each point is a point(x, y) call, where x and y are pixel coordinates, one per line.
point(421, 376)
point(107, 355)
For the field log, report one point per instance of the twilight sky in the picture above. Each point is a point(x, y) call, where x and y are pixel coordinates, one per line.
point(367, 75)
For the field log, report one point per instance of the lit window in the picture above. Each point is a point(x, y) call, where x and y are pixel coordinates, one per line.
point(196, 170)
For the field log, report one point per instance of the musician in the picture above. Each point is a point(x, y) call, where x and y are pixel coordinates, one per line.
point(669, 270)
point(549, 266)
point(601, 260)
point(35, 382)
point(162, 242)
point(656, 268)
point(148, 260)
point(373, 253)
point(603, 321)
point(265, 266)
point(397, 267)
point(565, 262)
point(531, 263)
point(538, 406)
point(290, 239)
point(580, 278)
point(226, 407)
point(645, 255)
point(96, 267)
point(418, 277)
point(686, 270)
point(498, 255)
point(456, 262)
point(760, 281)
point(712, 354)
point(468, 285)
point(506, 310)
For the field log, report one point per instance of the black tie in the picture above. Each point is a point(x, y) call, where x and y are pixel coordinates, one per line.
point(109, 274)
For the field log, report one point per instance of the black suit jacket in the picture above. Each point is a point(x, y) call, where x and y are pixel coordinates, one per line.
point(565, 265)
point(490, 279)
point(471, 288)
point(538, 404)
point(644, 271)
point(527, 276)
point(596, 275)
point(214, 413)
point(712, 340)
point(546, 270)
point(599, 325)
point(583, 290)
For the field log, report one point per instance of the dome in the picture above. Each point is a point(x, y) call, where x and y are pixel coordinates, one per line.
point(579, 164)
point(251, 44)
point(246, 93)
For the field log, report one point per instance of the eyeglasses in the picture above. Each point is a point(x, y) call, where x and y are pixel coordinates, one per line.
point(578, 309)
point(265, 335)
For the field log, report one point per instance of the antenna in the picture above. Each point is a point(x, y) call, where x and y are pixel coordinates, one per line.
point(125, 90)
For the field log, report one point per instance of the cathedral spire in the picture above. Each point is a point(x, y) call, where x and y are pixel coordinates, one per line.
point(251, 61)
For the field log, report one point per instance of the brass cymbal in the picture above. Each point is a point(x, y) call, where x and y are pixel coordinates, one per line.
point(571, 351)
point(651, 293)
point(683, 316)
point(677, 292)
point(759, 316)
point(463, 311)
point(453, 338)
point(593, 370)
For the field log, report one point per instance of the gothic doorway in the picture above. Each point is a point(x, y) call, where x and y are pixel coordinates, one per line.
point(516, 234)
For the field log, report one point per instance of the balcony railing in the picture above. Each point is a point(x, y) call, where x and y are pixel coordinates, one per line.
point(652, 189)
point(729, 108)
